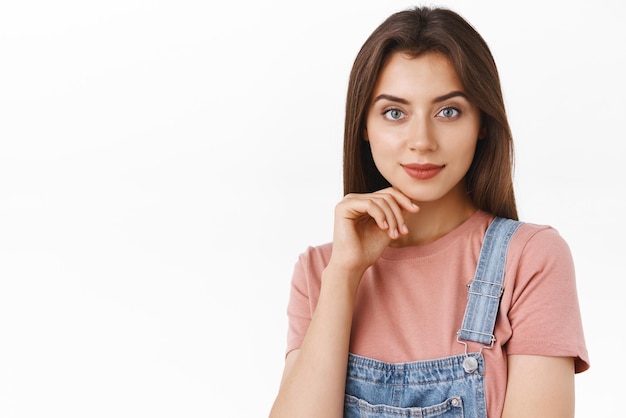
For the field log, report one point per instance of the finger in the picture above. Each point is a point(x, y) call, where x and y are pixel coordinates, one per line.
point(354, 207)
point(403, 200)
point(398, 202)
point(377, 207)
point(393, 214)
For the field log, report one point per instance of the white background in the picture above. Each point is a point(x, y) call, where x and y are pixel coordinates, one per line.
point(163, 163)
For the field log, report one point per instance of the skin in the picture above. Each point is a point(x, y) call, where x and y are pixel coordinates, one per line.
point(418, 114)
point(409, 122)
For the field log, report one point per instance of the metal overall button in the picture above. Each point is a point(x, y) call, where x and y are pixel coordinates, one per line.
point(470, 364)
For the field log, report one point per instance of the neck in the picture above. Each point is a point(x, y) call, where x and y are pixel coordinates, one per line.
point(435, 219)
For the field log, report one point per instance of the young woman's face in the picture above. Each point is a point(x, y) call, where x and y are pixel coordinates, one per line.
point(421, 127)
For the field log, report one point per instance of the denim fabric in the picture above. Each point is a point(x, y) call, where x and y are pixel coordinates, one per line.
point(431, 388)
point(442, 387)
point(486, 288)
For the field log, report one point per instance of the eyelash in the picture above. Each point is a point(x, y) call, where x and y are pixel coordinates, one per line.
point(458, 112)
point(386, 113)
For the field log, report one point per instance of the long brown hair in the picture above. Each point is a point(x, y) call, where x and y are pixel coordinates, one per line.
point(414, 32)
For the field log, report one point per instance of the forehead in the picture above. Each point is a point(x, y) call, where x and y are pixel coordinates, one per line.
point(426, 75)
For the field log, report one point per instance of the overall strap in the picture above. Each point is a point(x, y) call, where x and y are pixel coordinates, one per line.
point(485, 290)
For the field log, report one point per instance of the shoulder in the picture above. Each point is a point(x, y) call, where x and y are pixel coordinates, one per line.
point(539, 254)
point(314, 259)
point(540, 299)
point(539, 240)
point(317, 253)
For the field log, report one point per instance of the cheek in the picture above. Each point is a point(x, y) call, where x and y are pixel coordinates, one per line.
point(382, 155)
point(466, 154)
point(383, 147)
point(383, 139)
point(461, 139)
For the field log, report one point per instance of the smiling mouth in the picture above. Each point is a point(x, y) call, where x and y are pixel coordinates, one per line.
point(422, 171)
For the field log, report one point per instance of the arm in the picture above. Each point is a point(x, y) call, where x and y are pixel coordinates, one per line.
point(539, 386)
point(547, 344)
point(313, 383)
point(314, 377)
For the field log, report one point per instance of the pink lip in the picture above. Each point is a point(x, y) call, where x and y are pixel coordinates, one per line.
point(422, 171)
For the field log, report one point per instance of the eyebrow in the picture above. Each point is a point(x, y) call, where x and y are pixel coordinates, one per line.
point(390, 98)
point(456, 93)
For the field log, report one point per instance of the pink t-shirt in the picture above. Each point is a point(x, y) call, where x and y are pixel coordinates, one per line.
point(411, 302)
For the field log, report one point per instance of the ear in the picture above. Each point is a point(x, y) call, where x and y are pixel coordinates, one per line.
point(482, 133)
point(365, 136)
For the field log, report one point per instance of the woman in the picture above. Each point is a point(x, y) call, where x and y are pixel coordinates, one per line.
point(432, 299)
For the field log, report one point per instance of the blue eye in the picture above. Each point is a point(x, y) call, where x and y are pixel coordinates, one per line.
point(393, 114)
point(449, 112)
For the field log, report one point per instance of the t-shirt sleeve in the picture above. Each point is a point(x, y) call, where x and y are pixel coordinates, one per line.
point(544, 313)
point(299, 308)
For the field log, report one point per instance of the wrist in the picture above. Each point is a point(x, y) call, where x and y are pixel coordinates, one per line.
point(339, 275)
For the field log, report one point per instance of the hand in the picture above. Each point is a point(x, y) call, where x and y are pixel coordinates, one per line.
point(364, 226)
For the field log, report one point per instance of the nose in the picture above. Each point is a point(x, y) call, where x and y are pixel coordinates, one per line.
point(420, 136)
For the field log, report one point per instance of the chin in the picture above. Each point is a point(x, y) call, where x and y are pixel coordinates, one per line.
point(434, 192)
point(432, 195)
point(422, 196)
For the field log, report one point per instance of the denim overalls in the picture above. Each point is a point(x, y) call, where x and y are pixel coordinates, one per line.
point(445, 387)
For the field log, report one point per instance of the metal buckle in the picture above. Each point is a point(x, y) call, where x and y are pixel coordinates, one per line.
point(469, 292)
point(470, 363)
